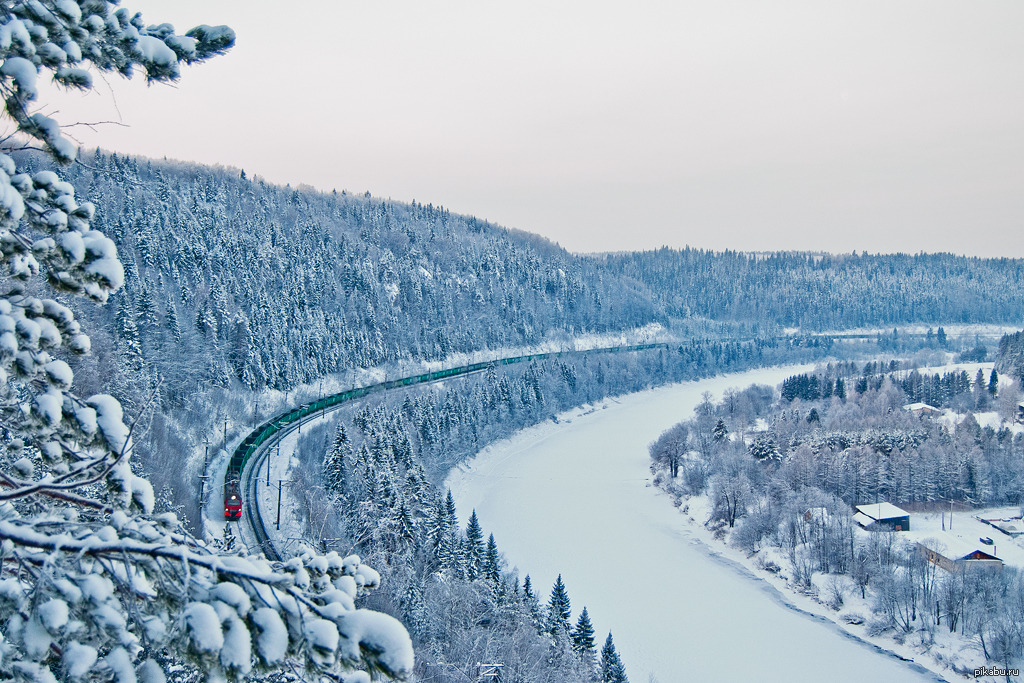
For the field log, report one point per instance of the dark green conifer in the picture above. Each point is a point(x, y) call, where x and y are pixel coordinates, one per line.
point(840, 390)
point(559, 610)
point(474, 547)
point(612, 669)
point(492, 562)
point(334, 465)
point(583, 638)
point(720, 431)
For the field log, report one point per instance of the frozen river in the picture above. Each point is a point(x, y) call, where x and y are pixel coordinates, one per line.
point(573, 499)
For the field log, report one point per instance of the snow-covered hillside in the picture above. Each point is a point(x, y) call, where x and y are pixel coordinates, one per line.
point(574, 498)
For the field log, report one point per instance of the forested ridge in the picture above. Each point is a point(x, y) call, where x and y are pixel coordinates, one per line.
point(826, 291)
point(234, 283)
point(276, 286)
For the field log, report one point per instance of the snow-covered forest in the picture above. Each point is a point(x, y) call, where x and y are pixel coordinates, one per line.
point(231, 282)
point(754, 464)
point(150, 306)
point(826, 291)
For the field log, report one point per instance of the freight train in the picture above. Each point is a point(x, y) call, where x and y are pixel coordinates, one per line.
point(245, 450)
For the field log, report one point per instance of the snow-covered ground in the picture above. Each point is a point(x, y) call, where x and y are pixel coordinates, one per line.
point(964, 535)
point(575, 499)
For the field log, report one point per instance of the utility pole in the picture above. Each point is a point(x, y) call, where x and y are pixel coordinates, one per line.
point(206, 465)
point(278, 447)
point(256, 413)
point(279, 483)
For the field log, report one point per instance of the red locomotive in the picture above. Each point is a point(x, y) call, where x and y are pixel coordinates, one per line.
point(232, 499)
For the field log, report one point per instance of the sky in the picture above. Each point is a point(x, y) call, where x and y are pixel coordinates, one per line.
point(867, 125)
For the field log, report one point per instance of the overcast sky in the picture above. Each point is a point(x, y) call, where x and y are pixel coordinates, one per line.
point(870, 125)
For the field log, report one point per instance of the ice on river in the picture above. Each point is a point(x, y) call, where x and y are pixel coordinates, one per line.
point(574, 498)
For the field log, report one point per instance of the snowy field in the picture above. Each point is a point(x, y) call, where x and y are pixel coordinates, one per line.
point(575, 499)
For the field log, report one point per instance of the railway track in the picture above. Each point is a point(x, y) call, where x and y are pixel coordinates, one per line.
point(248, 457)
point(251, 507)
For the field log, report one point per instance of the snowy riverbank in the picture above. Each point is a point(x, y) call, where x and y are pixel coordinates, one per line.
point(574, 498)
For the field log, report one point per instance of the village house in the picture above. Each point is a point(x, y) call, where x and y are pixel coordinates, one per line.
point(952, 554)
point(920, 409)
point(882, 517)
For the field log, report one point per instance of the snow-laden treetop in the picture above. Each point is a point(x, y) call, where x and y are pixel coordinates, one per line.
point(67, 38)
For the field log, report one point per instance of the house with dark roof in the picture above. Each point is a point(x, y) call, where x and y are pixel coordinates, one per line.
point(882, 517)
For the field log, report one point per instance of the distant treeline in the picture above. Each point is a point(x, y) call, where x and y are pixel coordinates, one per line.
point(827, 291)
point(933, 389)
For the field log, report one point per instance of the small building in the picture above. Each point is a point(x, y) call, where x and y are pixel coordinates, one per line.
point(922, 409)
point(953, 554)
point(882, 517)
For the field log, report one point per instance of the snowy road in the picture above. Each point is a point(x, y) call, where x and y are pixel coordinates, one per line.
point(574, 499)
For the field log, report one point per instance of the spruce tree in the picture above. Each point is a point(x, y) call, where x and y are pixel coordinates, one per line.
point(436, 527)
point(720, 431)
point(993, 382)
point(449, 510)
point(172, 321)
point(145, 310)
point(612, 669)
point(492, 562)
point(335, 476)
point(405, 526)
point(559, 611)
point(474, 547)
point(583, 638)
point(532, 604)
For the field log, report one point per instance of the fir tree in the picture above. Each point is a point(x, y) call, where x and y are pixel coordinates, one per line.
point(532, 604)
point(474, 547)
point(492, 562)
point(583, 638)
point(840, 390)
point(720, 431)
point(559, 611)
point(449, 510)
point(436, 527)
point(128, 333)
point(145, 310)
point(993, 382)
point(405, 526)
point(335, 470)
point(612, 669)
point(172, 321)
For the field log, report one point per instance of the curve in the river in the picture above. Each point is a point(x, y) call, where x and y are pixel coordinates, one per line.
point(574, 499)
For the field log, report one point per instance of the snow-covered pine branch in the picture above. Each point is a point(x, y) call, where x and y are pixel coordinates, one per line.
point(93, 585)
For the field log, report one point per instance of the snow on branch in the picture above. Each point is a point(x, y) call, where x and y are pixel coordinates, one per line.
point(62, 36)
point(93, 584)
